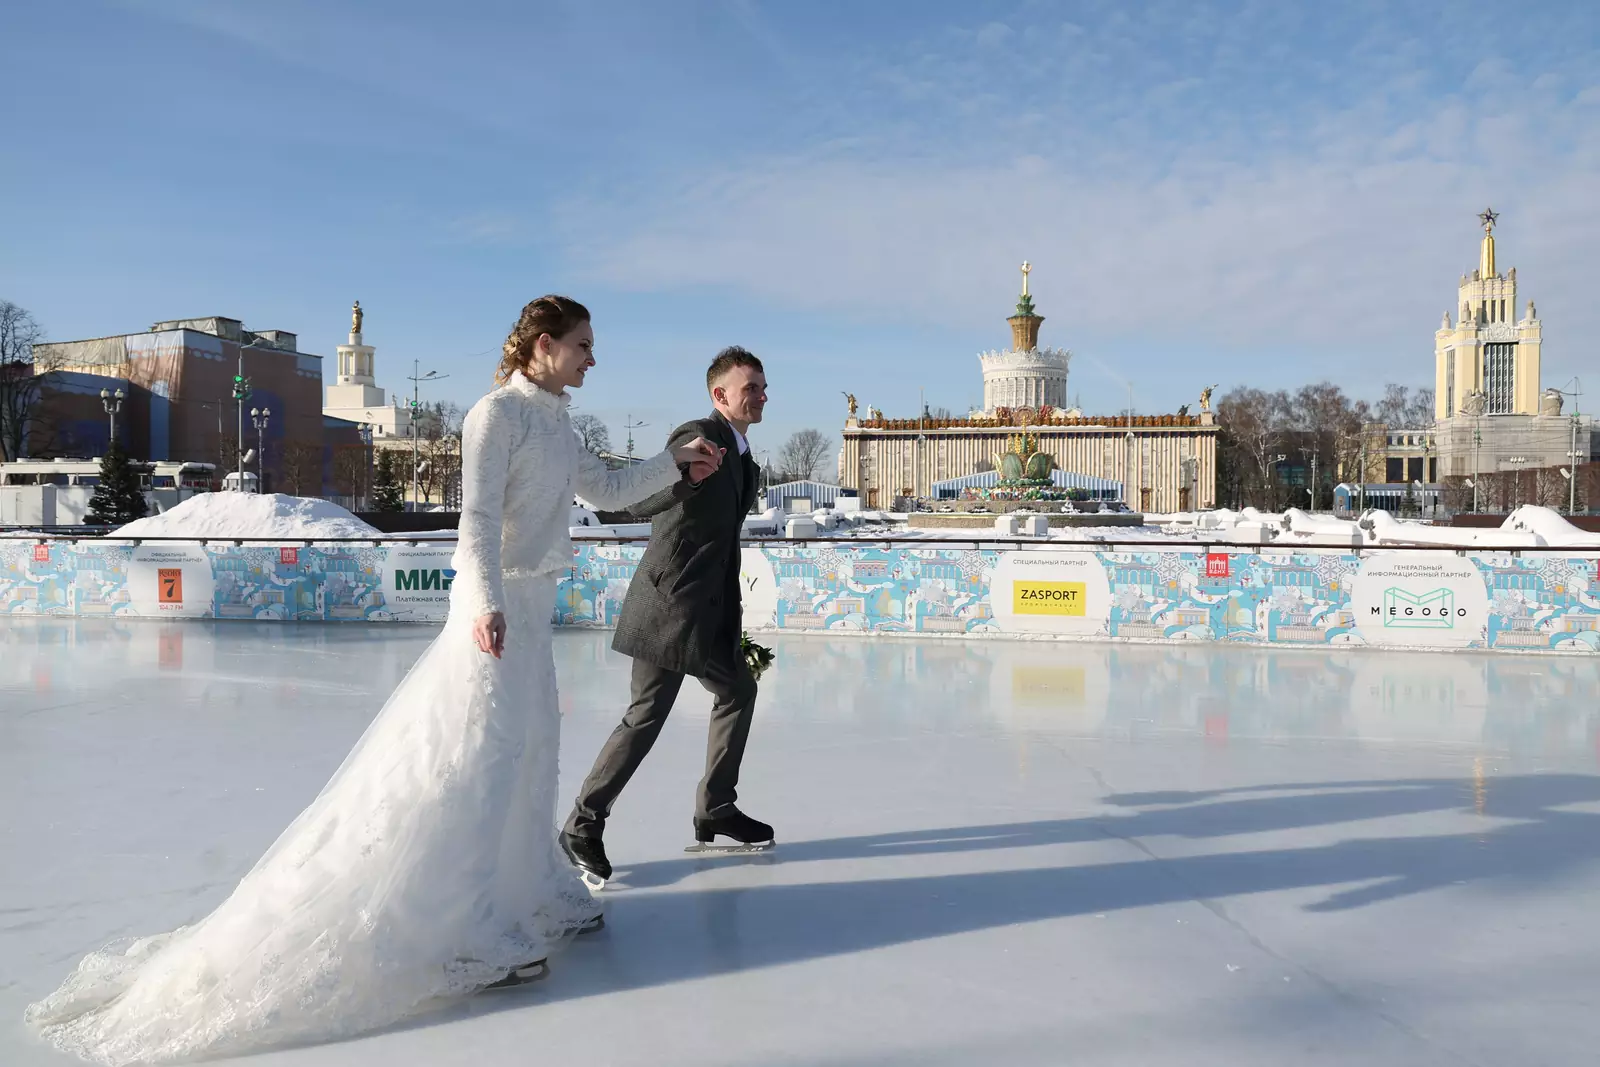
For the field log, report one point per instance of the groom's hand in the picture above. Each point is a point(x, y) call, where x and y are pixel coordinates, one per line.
point(702, 456)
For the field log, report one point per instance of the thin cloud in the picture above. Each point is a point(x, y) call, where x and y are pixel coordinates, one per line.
point(1343, 228)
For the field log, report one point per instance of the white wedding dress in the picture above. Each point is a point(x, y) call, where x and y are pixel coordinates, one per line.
point(428, 866)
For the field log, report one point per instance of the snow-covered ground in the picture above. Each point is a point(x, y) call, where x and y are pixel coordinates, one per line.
point(990, 853)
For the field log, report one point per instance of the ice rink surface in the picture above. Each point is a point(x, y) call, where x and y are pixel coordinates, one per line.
point(989, 852)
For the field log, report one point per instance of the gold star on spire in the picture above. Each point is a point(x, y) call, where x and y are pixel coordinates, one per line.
point(1488, 217)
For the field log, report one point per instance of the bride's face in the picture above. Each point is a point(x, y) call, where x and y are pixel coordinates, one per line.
point(565, 360)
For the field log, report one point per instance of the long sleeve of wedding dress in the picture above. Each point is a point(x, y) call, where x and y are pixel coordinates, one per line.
point(486, 442)
point(428, 866)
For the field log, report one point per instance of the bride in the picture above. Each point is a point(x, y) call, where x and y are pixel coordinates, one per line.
point(428, 865)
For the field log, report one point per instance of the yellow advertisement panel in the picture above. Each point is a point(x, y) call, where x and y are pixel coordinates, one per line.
point(1048, 598)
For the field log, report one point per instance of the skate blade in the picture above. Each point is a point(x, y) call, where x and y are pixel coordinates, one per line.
point(594, 882)
point(522, 976)
point(714, 849)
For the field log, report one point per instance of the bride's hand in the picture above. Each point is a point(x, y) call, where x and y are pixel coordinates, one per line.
point(489, 631)
point(702, 456)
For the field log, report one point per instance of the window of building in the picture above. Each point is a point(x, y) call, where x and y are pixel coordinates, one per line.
point(1394, 469)
point(1499, 378)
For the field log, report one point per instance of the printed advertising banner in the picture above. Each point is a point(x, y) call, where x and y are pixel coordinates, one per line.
point(1420, 599)
point(416, 584)
point(172, 581)
point(1531, 601)
point(1051, 593)
point(758, 588)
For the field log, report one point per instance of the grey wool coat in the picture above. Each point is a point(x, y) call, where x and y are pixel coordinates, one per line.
point(683, 605)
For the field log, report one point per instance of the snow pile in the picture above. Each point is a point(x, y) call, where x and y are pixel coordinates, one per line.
point(1550, 526)
point(251, 515)
point(1302, 527)
point(1384, 529)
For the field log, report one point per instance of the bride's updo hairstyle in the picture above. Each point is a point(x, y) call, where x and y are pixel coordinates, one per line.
point(553, 315)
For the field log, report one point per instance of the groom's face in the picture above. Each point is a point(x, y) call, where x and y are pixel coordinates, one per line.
point(741, 394)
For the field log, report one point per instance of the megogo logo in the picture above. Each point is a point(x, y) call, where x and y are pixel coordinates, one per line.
point(1435, 610)
point(1048, 598)
point(420, 579)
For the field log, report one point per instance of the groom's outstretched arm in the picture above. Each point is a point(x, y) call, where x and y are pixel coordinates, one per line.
point(682, 489)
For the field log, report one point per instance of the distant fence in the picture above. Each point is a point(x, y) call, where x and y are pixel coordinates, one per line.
point(1525, 600)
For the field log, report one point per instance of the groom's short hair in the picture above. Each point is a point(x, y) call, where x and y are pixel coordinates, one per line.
point(729, 358)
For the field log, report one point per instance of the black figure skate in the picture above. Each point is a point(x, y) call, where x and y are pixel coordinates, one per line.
point(588, 854)
point(748, 835)
point(528, 972)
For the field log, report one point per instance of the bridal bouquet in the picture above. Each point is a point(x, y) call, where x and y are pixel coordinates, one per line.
point(757, 657)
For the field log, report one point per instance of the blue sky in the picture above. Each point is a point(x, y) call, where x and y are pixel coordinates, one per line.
point(1260, 193)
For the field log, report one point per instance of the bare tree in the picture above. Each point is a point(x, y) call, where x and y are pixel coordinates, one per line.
point(1326, 433)
point(21, 377)
point(1254, 423)
point(1404, 408)
point(350, 466)
point(801, 456)
point(442, 458)
point(301, 466)
point(594, 434)
point(1419, 412)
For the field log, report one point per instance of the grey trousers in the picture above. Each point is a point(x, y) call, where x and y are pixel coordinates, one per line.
point(733, 688)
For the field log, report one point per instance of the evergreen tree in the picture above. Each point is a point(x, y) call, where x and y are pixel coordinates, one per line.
point(118, 499)
point(386, 494)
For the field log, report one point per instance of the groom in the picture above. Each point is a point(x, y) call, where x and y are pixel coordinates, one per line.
point(682, 617)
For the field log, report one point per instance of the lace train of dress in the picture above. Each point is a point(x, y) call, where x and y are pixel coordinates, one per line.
point(426, 868)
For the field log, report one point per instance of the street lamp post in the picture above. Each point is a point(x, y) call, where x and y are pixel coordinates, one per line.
point(1477, 442)
point(1516, 463)
point(113, 404)
point(1127, 456)
point(259, 417)
point(364, 431)
point(1311, 488)
point(629, 425)
point(1428, 479)
point(1572, 460)
point(417, 378)
point(241, 393)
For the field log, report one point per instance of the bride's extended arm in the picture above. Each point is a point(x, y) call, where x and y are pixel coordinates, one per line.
point(485, 464)
point(614, 490)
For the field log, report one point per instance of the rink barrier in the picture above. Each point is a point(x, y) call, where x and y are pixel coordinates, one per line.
point(1405, 596)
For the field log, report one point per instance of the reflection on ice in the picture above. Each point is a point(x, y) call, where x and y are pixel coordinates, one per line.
point(1542, 706)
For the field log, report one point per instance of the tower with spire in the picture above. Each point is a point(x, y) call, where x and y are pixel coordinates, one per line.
point(355, 394)
point(1486, 362)
point(1025, 375)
